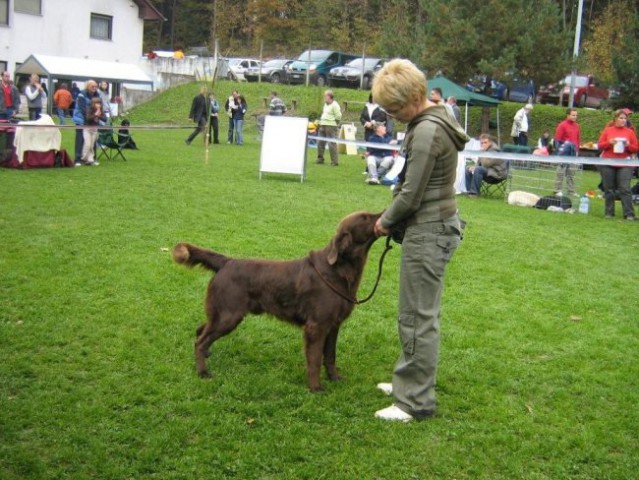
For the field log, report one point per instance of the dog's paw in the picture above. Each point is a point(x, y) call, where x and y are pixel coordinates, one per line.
point(335, 377)
point(204, 375)
point(316, 389)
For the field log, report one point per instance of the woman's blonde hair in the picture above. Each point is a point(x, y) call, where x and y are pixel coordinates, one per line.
point(398, 83)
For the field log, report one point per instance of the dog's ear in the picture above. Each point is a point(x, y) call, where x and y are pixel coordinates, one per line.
point(339, 244)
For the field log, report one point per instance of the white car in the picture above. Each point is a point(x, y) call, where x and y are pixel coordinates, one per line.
point(237, 67)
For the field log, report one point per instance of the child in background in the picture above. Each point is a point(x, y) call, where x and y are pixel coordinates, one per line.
point(95, 115)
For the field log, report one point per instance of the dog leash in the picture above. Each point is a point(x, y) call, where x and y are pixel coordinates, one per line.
point(379, 276)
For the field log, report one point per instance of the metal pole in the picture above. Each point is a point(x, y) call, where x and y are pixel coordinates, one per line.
point(575, 54)
point(361, 77)
point(259, 69)
point(308, 65)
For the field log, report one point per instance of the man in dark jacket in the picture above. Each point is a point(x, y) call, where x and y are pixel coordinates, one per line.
point(198, 114)
point(496, 169)
point(9, 98)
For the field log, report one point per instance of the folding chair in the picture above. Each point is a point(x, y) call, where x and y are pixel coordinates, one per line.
point(492, 186)
point(108, 146)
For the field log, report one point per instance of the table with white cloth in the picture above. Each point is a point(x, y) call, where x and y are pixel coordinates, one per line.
point(35, 137)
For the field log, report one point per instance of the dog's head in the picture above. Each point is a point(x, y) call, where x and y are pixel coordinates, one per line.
point(354, 238)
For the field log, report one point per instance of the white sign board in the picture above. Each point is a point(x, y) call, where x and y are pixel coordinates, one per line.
point(284, 145)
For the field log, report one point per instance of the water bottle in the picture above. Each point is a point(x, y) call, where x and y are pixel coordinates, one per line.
point(584, 204)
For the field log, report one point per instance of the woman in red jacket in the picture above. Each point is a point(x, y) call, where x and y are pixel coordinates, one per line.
point(618, 141)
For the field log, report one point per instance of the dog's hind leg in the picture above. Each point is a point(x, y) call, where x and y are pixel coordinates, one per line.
point(208, 333)
point(314, 339)
point(198, 332)
point(330, 349)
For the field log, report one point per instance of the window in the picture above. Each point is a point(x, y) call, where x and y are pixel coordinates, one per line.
point(3, 66)
point(101, 26)
point(28, 6)
point(4, 12)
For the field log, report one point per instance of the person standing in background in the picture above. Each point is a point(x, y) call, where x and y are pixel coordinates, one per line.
point(567, 141)
point(521, 125)
point(228, 108)
point(371, 115)
point(452, 101)
point(103, 91)
point(214, 124)
point(36, 97)
point(62, 99)
point(619, 142)
point(82, 102)
point(331, 115)
point(9, 98)
point(94, 117)
point(238, 119)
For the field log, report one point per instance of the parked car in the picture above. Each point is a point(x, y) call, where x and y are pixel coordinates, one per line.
point(487, 86)
point(237, 67)
point(318, 66)
point(273, 71)
point(512, 88)
point(586, 93)
point(350, 74)
point(519, 90)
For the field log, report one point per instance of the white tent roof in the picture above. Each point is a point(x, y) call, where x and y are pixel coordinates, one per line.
point(83, 69)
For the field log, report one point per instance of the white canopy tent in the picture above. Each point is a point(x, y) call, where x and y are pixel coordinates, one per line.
point(82, 69)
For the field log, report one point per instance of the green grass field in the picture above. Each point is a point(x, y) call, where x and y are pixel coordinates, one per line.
point(538, 368)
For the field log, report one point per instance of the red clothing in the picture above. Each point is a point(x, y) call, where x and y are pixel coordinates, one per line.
point(568, 131)
point(617, 132)
point(62, 98)
point(8, 99)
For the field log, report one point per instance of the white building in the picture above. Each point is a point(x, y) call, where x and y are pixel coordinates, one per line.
point(108, 30)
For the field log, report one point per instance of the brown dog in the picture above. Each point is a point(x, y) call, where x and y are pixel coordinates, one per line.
point(316, 292)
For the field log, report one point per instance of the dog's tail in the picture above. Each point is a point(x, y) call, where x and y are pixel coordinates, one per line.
point(191, 255)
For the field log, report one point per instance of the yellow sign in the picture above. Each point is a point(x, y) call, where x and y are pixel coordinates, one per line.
point(347, 132)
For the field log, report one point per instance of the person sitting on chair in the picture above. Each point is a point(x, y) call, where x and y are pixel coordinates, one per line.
point(125, 140)
point(490, 170)
point(379, 160)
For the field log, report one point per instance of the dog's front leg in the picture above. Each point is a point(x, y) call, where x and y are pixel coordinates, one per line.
point(330, 352)
point(314, 339)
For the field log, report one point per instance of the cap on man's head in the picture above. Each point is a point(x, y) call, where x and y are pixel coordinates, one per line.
point(528, 106)
point(627, 111)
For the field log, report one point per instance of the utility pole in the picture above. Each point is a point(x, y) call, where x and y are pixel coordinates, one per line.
point(575, 54)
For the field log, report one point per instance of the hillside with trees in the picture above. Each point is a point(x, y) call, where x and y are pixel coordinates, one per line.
point(460, 38)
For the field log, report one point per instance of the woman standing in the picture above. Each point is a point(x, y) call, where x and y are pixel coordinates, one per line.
point(214, 125)
point(36, 97)
point(94, 116)
point(424, 201)
point(619, 142)
point(103, 91)
point(238, 118)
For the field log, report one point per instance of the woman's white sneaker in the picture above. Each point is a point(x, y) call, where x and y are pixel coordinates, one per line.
point(393, 413)
point(387, 388)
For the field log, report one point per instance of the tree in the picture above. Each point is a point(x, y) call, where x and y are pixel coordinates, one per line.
point(462, 38)
point(188, 24)
point(625, 65)
point(609, 39)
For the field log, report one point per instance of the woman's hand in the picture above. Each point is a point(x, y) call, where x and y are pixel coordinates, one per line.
point(379, 229)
